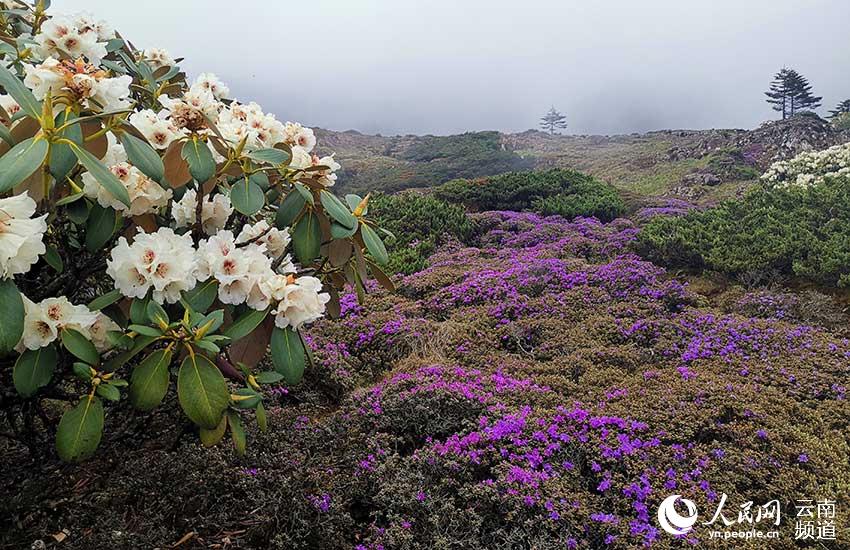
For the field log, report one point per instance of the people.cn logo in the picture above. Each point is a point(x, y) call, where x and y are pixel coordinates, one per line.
point(671, 521)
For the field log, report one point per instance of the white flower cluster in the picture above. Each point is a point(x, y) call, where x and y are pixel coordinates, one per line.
point(9, 105)
point(20, 235)
point(92, 87)
point(146, 195)
point(157, 58)
point(74, 36)
point(163, 261)
point(43, 323)
point(243, 266)
point(810, 168)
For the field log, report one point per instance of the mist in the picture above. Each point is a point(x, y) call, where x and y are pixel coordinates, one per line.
point(444, 67)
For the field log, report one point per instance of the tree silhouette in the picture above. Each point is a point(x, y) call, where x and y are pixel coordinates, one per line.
point(840, 109)
point(553, 120)
point(790, 93)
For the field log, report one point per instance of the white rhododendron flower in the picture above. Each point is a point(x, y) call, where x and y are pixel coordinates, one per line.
point(248, 121)
point(162, 261)
point(810, 168)
point(146, 195)
point(9, 104)
point(43, 322)
point(74, 36)
point(158, 57)
point(209, 81)
point(303, 302)
point(20, 235)
point(326, 176)
point(215, 211)
point(159, 131)
point(88, 84)
point(238, 269)
point(301, 159)
point(98, 331)
point(193, 109)
point(295, 134)
point(261, 232)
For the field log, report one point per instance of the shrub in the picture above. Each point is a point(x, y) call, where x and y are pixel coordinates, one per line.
point(557, 191)
point(796, 223)
point(419, 224)
point(125, 187)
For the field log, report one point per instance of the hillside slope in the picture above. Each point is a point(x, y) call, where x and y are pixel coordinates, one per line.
point(694, 164)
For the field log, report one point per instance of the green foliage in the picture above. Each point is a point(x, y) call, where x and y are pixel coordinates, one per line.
point(419, 224)
point(431, 160)
point(557, 191)
point(786, 231)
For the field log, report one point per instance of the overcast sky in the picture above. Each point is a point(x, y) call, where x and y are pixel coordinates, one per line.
point(449, 66)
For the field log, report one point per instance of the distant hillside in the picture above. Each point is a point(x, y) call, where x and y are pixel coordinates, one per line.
point(694, 164)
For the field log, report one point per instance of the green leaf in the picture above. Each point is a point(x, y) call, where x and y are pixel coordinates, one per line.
point(34, 369)
point(202, 391)
point(157, 314)
point(247, 197)
point(339, 231)
point(337, 210)
point(262, 419)
point(53, 259)
point(21, 161)
point(237, 432)
point(62, 158)
point(6, 136)
point(109, 392)
point(102, 174)
point(80, 430)
point(213, 436)
point(82, 371)
point(374, 244)
point(288, 354)
point(149, 381)
point(200, 159)
point(245, 324)
point(304, 192)
point(11, 316)
point(139, 310)
point(268, 377)
point(307, 238)
point(142, 156)
point(104, 301)
point(78, 212)
point(202, 296)
point(207, 346)
point(79, 346)
point(271, 156)
point(289, 208)
point(353, 201)
point(252, 399)
point(100, 227)
point(20, 93)
point(145, 330)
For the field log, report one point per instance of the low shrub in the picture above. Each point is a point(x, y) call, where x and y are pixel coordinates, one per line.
point(419, 224)
point(557, 191)
point(797, 223)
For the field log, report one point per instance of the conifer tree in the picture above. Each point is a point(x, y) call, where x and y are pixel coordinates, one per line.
point(840, 109)
point(553, 120)
point(790, 92)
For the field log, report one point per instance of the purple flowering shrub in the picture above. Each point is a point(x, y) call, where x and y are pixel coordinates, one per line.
point(542, 389)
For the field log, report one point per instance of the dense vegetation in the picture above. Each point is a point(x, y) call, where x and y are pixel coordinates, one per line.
point(431, 160)
point(774, 231)
point(419, 224)
point(563, 192)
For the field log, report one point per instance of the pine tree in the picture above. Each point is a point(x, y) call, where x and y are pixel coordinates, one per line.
point(779, 94)
point(553, 120)
point(803, 100)
point(791, 93)
point(840, 109)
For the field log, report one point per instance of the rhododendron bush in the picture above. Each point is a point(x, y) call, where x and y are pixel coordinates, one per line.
point(155, 230)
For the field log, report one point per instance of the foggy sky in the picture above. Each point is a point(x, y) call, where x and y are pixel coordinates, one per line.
point(449, 66)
